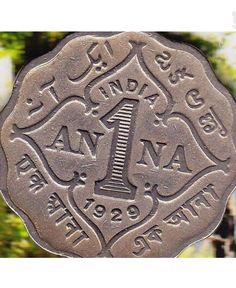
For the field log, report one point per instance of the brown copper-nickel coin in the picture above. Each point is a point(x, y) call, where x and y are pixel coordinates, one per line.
point(118, 145)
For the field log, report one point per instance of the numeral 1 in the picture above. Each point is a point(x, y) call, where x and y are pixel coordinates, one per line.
point(122, 120)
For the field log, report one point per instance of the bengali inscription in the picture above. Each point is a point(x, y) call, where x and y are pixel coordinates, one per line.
point(137, 134)
point(192, 205)
point(143, 242)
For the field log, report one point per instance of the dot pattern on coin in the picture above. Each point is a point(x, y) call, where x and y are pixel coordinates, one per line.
point(118, 145)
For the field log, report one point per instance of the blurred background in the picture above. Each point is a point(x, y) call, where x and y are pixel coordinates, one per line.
point(19, 48)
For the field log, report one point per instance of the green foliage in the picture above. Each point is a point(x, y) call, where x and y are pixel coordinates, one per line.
point(21, 47)
point(24, 46)
point(13, 44)
point(226, 73)
point(14, 239)
point(211, 46)
point(208, 47)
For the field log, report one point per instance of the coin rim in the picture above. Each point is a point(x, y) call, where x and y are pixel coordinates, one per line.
point(8, 108)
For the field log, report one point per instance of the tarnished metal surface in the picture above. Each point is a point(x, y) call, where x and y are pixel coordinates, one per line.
point(118, 145)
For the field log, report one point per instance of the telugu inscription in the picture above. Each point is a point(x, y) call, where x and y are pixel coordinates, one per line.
point(117, 128)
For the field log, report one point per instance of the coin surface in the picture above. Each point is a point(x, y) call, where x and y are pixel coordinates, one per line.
point(118, 145)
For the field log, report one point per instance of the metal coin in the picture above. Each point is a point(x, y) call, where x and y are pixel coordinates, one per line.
point(118, 145)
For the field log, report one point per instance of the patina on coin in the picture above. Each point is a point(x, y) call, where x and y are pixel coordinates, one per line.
point(118, 145)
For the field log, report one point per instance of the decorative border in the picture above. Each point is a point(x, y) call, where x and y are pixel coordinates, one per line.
point(47, 57)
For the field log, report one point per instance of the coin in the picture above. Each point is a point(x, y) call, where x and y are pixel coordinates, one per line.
point(118, 145)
